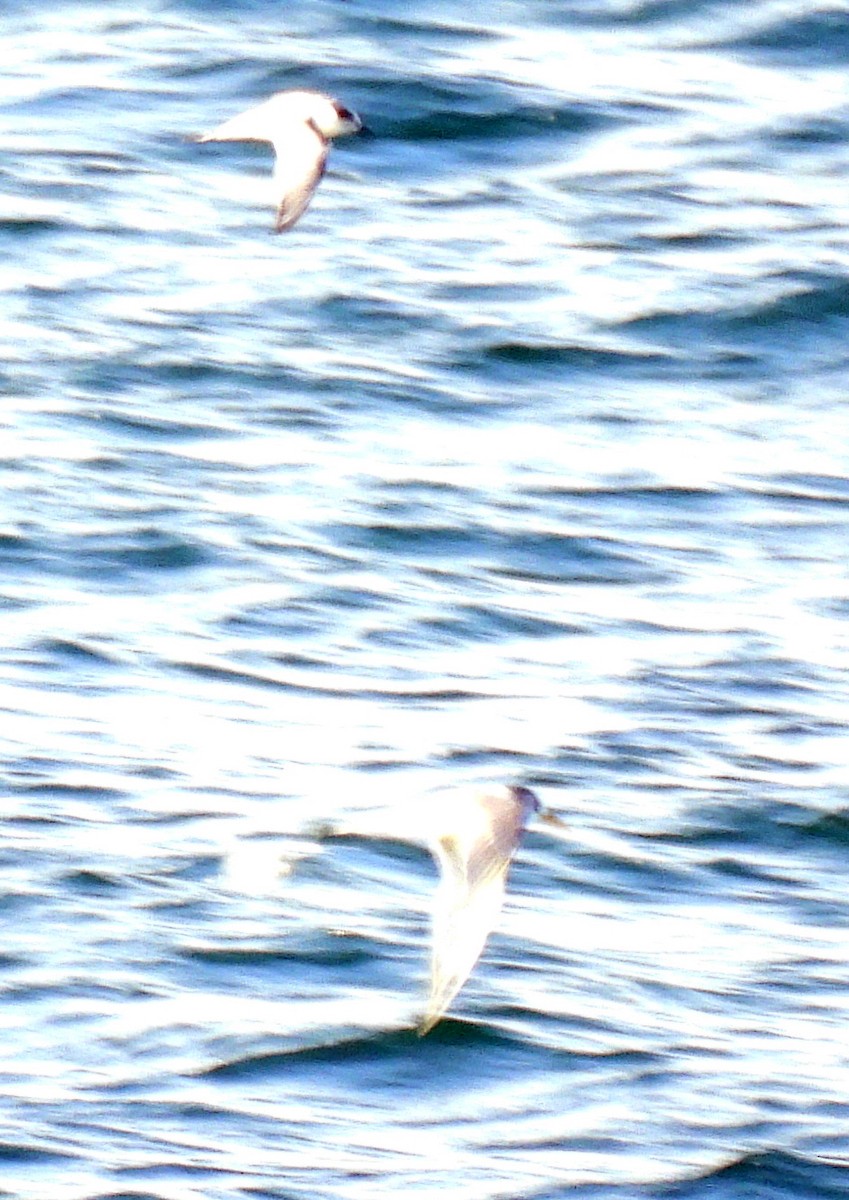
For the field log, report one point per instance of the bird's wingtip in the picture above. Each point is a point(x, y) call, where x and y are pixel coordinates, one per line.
point(427, 1023)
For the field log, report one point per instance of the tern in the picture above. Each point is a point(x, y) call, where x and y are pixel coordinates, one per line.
point(299, 126)
point(473, 839)
point(473, 854)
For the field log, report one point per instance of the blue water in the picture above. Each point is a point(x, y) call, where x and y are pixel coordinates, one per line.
point(521, 459)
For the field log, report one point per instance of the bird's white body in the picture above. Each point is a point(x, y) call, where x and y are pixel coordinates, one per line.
point(482, 836)
point(299, 126)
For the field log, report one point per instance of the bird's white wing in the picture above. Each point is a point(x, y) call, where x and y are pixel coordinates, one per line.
point(463, 916)
point(297, 171)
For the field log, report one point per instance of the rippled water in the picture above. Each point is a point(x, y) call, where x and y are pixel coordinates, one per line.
point(521, 459)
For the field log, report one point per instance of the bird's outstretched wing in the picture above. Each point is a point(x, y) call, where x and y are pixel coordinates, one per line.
point(463, 917)
point(297, 171)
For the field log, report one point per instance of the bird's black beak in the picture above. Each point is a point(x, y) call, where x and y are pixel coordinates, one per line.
point(365, 132)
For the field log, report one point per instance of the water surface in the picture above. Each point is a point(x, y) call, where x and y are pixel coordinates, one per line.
point(522, 458)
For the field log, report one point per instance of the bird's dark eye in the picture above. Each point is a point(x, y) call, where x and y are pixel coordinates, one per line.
point(344, 114)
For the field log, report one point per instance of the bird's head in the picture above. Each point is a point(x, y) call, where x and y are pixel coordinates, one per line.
point(328, 116)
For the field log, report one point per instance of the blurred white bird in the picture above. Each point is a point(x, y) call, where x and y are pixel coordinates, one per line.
point(299, 125)
point(474, 857)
